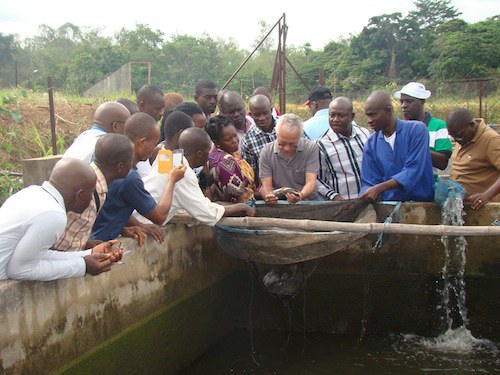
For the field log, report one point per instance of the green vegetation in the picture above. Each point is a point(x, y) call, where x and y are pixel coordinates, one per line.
point(429, 43)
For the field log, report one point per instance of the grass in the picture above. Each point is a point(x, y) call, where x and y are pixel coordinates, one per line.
point(30, 137)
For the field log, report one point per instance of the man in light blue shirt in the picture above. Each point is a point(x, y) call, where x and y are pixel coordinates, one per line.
point(318, 102)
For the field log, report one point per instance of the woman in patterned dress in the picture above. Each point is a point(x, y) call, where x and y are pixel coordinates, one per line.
point(231, 178)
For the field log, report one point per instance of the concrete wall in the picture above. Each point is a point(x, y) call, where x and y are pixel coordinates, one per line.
point(45, 325)
point(37, 170)
point(183, 296)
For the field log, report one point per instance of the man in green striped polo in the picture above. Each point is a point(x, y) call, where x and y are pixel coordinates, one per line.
point(412, 97)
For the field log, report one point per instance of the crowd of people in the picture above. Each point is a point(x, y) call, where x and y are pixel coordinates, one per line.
point(109, 184)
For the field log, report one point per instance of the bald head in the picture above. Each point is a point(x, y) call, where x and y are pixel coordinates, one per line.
point(129, 104)
point(75, 180)
point(141, 125)
point(461, 126)
point(111, 116)
point(150, 100)
point(113, 149)
point(262, 91)
point(231, 105)
point(380, 113)
point(458, 118)
point(379, 99)
point(193, 140)
point(343, 103)
point(259, 101)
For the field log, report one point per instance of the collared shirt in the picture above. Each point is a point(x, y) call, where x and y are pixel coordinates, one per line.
point(476, 165)
point(249, 124)
point(79, 226)
point(83, 147)
point(289, 173)
point(30, 222)
point(187, 197)
point(409, 163)
point(125, 195)
point(340, 163)
point(439, 139)
point(317, 125)
point(252, 145)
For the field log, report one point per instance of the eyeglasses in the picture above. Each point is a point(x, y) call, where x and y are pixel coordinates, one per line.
point(289, 144)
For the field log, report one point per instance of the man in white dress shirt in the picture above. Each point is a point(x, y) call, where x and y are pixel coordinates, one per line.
point(33, 219)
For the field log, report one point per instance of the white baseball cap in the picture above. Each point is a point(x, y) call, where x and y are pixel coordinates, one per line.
point(413, 89)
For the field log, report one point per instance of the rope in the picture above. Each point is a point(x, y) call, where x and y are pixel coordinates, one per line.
point(387, 223)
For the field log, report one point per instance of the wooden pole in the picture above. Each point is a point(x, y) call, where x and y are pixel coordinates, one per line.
point(52, 116)
point(250, 55)
point(370, 228)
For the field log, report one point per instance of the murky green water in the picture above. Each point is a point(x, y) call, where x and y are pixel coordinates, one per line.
point(340, 354)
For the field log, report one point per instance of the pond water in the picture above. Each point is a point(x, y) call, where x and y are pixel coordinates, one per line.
point(323, 353)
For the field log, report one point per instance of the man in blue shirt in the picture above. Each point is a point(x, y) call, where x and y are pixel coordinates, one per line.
point(396, 160)
point(128, 194)
point(318, 102)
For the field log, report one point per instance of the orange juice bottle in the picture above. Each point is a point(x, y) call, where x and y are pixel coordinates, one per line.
point(164, 161)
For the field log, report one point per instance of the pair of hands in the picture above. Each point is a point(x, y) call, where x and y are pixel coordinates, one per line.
point(291, 198)
point(102, 257)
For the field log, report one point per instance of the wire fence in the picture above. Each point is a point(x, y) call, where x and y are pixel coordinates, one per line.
point(481, 96)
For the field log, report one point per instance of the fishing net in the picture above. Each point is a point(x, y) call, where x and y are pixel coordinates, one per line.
point(446, 188)
point(284, 259)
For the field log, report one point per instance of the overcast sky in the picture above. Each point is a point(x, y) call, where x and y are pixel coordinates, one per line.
point(315, 22)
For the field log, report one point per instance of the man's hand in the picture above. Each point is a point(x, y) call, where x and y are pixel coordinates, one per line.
point(154, 231)
point(135, 232)
point(110, 248)
point(371, 194)
point(271, 199)
point(97, 263)
point(177, 173)
point(92, 243)
point(477, 201)
point(338, 198)
point(248, 210)
point(293, 198)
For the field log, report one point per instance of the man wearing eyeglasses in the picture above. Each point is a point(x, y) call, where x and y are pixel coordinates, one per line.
point(289, 162)
point(109, 117)
point(475, 162)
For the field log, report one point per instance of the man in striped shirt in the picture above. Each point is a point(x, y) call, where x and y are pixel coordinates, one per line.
point(340, 153)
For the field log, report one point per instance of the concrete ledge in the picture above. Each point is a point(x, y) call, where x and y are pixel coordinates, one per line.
point(45, 325)
point(37, 170)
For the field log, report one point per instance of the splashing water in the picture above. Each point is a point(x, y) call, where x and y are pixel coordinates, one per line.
point(457, 339)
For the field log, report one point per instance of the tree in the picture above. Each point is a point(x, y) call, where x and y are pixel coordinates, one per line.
point(430, 14)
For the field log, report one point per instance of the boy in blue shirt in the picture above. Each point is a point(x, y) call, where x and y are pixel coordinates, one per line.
point(128, 194)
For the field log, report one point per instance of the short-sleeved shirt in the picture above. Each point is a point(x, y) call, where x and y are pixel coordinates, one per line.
point(83, 147)
point(317, 125)
point(124, 196)
point(476, 166)
point(290, 173)
point(439, 140)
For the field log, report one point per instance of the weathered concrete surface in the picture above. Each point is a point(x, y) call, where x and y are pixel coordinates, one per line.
point(37, 170)
point(411, 254)
point(45, 325)
point(181, 297)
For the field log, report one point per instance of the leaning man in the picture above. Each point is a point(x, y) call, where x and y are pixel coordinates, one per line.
point(396, 160)
point(475, 162)
point(290, 161)
point(32, 220)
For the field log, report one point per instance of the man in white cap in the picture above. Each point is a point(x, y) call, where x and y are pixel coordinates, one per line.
point(412, 97)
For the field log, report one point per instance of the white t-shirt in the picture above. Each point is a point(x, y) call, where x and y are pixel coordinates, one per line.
point(187, 196)
point(31, 221)
point(143, 168)
point(391, 140)
point(83, 147)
